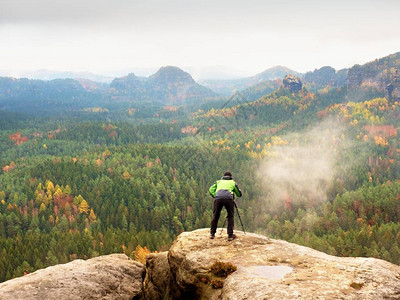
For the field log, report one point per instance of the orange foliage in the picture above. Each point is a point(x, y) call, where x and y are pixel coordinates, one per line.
point(113, 134)
point(17, 138)
point(171, 108)
point(109, 127)
point(62, 199)
point(383, 130)
point(189, 129)
point(288, 202)
point(140, 254)
point(9, 167)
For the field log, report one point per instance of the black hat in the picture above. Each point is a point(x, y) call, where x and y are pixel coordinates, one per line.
point(227, 173)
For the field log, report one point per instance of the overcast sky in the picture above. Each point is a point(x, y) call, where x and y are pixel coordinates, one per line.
point(107, 36)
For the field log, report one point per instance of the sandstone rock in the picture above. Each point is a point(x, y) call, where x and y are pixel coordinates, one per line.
point(393, 88)
point(106, 277)
point(271, 269)
point(292, 83)
point(158, 283)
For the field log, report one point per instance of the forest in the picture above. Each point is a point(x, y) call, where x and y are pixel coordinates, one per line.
point(318, 168)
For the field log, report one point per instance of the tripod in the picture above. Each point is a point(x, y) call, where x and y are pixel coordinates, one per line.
point(240, 219)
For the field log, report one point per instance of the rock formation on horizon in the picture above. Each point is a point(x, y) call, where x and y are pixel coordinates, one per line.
point(292, 83)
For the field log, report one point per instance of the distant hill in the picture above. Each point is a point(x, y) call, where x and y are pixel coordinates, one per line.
point(378, 75)
point(229, 87)
point(29, 95)
point(169, 85)
point(261, 89)
point(326, 76)
point(44, 74)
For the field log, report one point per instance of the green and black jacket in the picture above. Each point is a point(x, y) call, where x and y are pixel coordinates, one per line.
point(225, 188)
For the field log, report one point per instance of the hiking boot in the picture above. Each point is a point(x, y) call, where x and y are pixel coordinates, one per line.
point(212, 236)
point(231, 237)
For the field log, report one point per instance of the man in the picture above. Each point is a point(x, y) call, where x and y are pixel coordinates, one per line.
point(223, 191)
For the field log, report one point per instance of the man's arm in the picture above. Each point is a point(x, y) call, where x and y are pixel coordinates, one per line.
point(237, 191)
point(212, 189)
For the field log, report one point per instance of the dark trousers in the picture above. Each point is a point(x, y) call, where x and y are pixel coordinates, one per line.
point(230, 209)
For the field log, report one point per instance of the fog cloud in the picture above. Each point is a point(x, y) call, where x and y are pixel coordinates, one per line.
point(302, 171)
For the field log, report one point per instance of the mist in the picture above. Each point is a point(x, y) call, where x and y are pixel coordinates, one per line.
point(303, 169)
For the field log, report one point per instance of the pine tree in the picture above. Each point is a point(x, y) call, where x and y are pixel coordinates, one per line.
point(83, 207)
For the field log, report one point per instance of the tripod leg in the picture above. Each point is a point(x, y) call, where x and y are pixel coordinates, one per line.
point(240, 219)
point(223, 226)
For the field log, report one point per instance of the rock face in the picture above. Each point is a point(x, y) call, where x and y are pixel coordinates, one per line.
point(106, 277)
point(266, 269)
point(250, 267)
point(292, 83)
point(393, 88)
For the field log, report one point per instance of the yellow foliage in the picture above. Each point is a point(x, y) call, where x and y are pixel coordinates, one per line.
point(92, 216)
point(354, 122)
point(379, 140)
point(3, 202)
point(126, 175)
point(106, 153)
point(42, 207)
point(140, 254)
point(58, 191)
point(44, 146)
point(83, 207)
point(78, 200)
point(49, 196)
point(49, 186)
point(278, 141)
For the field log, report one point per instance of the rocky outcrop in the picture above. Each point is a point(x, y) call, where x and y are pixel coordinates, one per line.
point(106, 277)
point(250, 267)
point(265, 269)
point(393, 88)
point(292, 83)
point(158, 284)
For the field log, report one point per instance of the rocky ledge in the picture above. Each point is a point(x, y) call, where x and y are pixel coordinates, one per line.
point(106, 277)
point(250, 267)
point(265, 269)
